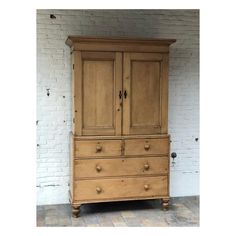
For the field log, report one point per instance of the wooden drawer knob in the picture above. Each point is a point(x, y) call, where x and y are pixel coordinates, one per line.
point(147, 146)
point(98, 148)
point(146, 166)
point(146, 187)
point(99, 190)
point(98, 168)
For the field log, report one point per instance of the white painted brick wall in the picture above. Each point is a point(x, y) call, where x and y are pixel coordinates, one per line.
point(53, 71)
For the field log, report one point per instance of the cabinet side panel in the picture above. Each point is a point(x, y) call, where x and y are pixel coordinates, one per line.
point(168, 188)
point(73, 92)
point(77, 93)
point(164, 94)
point(72, 166)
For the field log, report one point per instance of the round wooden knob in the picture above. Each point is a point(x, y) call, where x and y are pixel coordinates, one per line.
point(146, 187)
point(98, 168)
point(146, 166)
point(99, 148)
point(147, 146)
point(99, 190)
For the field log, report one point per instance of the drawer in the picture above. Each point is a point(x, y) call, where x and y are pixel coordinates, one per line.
point(121, 188)
point(120, 167)
point(97, 148)
point(147, 146)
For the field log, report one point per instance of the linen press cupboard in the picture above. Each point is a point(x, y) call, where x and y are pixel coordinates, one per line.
point(119, 141)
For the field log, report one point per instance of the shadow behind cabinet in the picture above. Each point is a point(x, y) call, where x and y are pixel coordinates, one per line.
point(119, 142)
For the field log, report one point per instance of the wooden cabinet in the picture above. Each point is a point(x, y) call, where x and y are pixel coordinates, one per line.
point(119, 140)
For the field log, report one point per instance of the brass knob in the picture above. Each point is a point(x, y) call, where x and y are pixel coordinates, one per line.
point(147, 146)
point(146, 166)
point(99, 190)
point(98, 168)
point(98, 148)
point(146, 187)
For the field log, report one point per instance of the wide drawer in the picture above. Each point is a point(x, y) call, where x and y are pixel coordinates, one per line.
point(159, 146)
point(120, 166)
point(97, 148)
point(87, 190)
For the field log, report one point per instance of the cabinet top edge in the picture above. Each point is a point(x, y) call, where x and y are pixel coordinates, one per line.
point(158, 136)
point(92, 39)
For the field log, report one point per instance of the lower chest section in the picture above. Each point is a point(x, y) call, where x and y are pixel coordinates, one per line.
point(119, 169)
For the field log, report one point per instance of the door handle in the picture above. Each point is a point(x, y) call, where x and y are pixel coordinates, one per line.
point(120, 94)
point(125, 94)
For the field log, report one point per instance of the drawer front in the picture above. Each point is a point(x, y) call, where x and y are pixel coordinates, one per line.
point(120, 167)
point(147, 146)
point(121, 188)
point(98, 148)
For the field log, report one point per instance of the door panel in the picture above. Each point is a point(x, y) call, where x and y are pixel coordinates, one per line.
point(144, 97)
point(143, 78)
point(98, 89)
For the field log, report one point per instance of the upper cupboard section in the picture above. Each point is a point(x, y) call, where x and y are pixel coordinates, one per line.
point(120, 86)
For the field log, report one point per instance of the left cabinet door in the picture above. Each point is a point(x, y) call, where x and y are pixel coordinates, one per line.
point(97, 82)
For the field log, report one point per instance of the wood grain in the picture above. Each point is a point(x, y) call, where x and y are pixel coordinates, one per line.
point(154, 146)
point(121, 167)
point(118, 90)
point(118, 44)
point(77, 93)
point(164, 94)
point(120, 187)
point(124, 40)
point(126, 87)
point(90, 148)
point(98, 112)
point(142, 81)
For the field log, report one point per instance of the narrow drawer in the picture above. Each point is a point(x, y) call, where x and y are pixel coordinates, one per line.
point(97, 148)
point(147, 146)
point(120, 167)
point(121, 188)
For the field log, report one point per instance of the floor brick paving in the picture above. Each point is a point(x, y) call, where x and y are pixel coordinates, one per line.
point(184, 211)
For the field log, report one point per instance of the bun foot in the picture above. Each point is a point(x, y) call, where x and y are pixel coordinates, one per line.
point(75, 211)
point(165, 203)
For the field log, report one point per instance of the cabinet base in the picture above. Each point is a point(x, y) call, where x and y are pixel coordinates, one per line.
point(75, 208)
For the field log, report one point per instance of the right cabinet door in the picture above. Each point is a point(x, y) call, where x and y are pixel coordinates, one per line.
point(145, 93)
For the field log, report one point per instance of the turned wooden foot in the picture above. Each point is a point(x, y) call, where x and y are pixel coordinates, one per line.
point(165, 203)
point(75, 211)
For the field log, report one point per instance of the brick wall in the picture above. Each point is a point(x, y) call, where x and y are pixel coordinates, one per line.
point(53, 72)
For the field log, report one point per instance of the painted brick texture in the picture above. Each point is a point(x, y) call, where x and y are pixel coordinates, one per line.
point(54, 73)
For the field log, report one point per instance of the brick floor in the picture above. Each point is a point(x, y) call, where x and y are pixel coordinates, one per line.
point(184, 211)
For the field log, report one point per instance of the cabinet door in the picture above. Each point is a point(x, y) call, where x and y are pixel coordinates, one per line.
point(97, 84)
point(145, 89)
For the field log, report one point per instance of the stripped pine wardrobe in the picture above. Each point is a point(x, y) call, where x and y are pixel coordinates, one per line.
point(120, 144)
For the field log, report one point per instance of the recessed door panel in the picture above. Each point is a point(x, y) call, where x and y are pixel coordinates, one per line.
point(99, 94)
point(145, 99)
point(143, 80)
